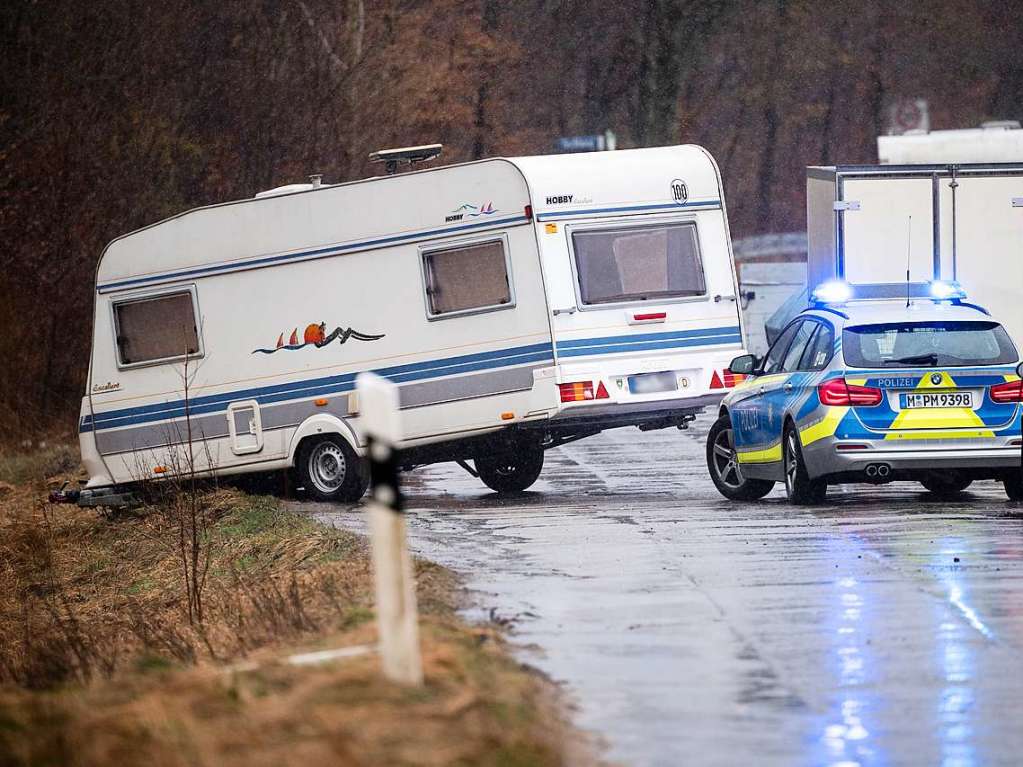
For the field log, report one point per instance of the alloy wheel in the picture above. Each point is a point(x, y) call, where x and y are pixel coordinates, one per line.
point(726, 460)
point(791, 466)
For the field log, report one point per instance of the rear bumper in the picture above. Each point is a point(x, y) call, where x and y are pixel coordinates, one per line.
point(825, 459)
point(609, 416)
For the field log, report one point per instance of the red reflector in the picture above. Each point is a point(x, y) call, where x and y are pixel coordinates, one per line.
point(837, 392)
point(715, 381)
point(576, 392)
point(1010, 391)
point(650, 316)
point(529, 213)
point(852, 446)
point(602, 392)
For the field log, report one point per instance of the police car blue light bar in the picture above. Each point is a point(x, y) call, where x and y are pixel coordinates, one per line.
point(832, 292)
point(942, 290)
point(841, 292)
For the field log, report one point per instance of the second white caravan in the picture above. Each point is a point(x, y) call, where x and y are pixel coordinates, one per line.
point(519, 304)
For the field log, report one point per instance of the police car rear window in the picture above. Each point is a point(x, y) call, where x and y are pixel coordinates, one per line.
point(927, 344)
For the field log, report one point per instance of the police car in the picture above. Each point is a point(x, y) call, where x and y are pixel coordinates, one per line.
point(874, 384)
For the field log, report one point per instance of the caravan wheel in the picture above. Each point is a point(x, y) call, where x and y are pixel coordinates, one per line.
point(511, 472)
point(329, 469)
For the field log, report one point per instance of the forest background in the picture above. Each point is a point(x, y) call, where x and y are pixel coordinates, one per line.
point(117, 113)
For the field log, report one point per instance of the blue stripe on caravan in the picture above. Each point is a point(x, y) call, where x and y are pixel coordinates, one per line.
point(306, 254)
point(652, 346)
point(329, 385)
point(648, 342)
point(628, 209)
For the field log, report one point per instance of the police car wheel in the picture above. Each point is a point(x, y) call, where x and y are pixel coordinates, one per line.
point(511, 472)
point(800, 489)
point(330, 470)
point(723, 464)
point(946, 485)
point(1014, 487)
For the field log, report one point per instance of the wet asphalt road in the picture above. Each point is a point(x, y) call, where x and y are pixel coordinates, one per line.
point(884, 628)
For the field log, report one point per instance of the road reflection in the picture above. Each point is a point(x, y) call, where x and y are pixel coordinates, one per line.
point(956, 661)
point(849, 736)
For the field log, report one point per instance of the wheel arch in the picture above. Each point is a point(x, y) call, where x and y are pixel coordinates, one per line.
point(321, 424)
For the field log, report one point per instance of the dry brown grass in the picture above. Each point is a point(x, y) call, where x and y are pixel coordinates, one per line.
point(99, 663)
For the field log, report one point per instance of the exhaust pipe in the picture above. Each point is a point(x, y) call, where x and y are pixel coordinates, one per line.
point(878, 472)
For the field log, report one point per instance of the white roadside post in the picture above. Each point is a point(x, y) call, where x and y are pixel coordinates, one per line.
point(397, 614)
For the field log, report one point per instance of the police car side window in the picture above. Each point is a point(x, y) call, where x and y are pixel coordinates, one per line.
point(819, 352)
point(798, 346)
point(776, 354)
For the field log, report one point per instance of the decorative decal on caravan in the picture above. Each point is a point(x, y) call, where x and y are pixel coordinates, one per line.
point(468, 210)
point(316, 335)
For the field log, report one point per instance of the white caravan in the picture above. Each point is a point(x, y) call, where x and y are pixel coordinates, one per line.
point(519, 303)
point(870, 223)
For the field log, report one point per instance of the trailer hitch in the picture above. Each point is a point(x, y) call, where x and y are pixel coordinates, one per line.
point(64, 495)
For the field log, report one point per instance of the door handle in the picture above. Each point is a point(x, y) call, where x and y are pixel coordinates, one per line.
point(761, 391)
point(787, 387)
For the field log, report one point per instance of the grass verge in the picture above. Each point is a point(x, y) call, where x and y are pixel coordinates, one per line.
point(102, 662)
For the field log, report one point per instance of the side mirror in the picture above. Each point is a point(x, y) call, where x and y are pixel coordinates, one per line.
point(1019, 370)
point(746, 364)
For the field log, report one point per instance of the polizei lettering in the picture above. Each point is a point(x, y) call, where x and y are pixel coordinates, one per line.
point(560, 199)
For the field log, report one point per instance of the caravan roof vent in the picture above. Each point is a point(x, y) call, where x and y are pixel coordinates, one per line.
point(316, 183)
point(409, 155)
point(1000, 125)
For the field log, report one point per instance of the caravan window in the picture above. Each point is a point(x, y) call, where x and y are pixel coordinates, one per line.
point(467, 278)
point(638, 263)
point(156, 328)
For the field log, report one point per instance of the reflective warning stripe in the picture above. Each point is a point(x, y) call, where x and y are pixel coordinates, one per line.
point(826, 427)
point(770, 455)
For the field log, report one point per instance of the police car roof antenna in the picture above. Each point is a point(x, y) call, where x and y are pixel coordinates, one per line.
point(909, 242)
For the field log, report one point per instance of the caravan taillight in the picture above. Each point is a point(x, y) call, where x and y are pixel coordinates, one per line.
point(529, 213)
point(581, 391)
point(576, 392)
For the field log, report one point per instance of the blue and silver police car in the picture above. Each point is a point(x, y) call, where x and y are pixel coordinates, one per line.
point(874, 384)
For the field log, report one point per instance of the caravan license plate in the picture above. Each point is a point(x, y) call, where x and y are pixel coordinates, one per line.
point(938, 399)
point(649, 383)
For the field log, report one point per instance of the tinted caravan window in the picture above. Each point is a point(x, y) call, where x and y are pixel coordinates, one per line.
point(158, 328)
point(638, 263)
point(467, 278)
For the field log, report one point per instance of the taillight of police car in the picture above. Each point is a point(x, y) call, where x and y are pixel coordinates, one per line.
point(1010, 391)
point(839, 392)
point(581, 391)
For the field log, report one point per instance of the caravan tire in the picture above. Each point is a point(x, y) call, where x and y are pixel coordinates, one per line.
point(511, 472)
point(330, 470)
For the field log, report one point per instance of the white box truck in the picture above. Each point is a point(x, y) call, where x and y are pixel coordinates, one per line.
point(870, 223)
point(518, 303)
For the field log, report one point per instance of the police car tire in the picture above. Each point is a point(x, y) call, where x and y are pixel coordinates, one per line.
point(942, 485)
point(505, 473)
point(1014, 487)
point(356, 478)
point(803, 491)
point(746, 489)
